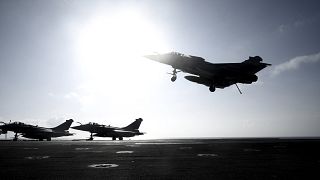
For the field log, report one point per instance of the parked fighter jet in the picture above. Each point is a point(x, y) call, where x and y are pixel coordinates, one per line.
point(36, 132)
point(214, 76)
point(109, 131)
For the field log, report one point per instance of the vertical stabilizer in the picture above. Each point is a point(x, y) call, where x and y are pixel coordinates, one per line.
point(64, 126)
point(134, 126)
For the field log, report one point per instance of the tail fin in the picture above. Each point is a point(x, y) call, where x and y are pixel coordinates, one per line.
point(64, 126)
point(134, 126)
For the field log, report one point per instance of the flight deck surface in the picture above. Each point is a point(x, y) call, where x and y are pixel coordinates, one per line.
point(161, 159)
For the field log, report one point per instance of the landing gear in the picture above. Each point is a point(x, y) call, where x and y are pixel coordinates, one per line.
point(115, 138)
point(91, 137)
point(40, 139)
point(15, 137)
point(174, 74)
point(49, 139)
point(174, 78)
point(212, 88)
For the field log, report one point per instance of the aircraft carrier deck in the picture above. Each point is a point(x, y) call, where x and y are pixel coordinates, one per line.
point(162, 159)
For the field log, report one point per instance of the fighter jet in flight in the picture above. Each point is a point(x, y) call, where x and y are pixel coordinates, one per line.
point(36, 132)
point(213, 75)
point(101, 130)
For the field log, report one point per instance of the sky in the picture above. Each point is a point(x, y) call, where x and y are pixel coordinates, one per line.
point(84, 60)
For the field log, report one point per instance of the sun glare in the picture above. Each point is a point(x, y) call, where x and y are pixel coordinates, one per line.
point(110, 49)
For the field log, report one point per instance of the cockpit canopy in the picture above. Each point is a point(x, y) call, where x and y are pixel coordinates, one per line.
point(19, 123)
point(93, 123)
point(178, 54)
point(254, 60)
point(187, 56)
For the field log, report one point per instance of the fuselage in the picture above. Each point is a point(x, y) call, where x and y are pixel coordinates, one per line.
point(198, 66)
point(219, 75)
point(106, 131)
point(101, 130)
point(36, 132)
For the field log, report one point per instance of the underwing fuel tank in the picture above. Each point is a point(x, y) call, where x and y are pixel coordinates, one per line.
point(197, 79)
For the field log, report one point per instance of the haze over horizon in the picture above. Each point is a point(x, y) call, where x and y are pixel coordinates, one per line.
point(84, 60)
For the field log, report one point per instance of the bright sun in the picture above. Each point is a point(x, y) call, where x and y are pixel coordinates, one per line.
point(110, 49)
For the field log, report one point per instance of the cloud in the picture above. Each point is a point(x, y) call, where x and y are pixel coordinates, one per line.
point(299, 23)
point(71, 95)
point(286, 27)
point(282, 28)
point(55, 121)
point(295, 63)
point(51, 94)
point(296, 24)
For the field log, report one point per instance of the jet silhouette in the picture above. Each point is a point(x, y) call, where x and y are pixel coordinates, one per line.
point(213, 75)
point(36, 132)
point(101, 130)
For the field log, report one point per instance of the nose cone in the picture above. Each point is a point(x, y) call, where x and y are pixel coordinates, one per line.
point(162, 58)
point(152, 57)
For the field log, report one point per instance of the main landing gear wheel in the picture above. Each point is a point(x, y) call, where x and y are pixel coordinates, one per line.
point(91, 137)
point(114, 138)
point(15, 137)
point(212, 88)
point(120, 138)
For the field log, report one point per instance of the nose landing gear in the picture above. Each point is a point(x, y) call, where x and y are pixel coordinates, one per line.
point(174, 78)
point(174, 75)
